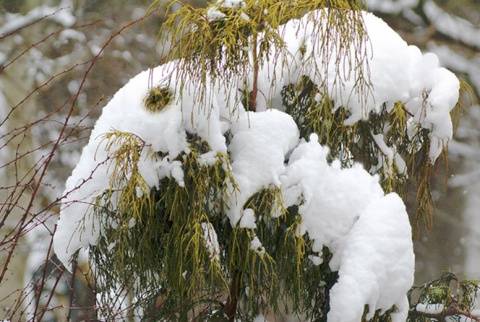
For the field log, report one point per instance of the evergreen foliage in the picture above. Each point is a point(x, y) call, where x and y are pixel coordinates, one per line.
point(446, 298)
point(160, 244)
point(157, 99)
point(220, 48)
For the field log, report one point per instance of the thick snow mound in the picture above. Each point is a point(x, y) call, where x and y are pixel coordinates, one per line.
point(375, 263)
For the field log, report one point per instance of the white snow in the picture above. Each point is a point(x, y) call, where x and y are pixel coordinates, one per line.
point(396, 72)
point(256, 246)
point(389, 153)
point(344, 209)
point(248, 219)
point(214, 14)
point(368, 233)
point(164, 132)
point(376, 263)
point(211, 241)
point(258, 147)
point(430, 308)
point(339, 195)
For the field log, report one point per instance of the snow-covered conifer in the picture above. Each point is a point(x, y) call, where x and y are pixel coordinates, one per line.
point(257, 172)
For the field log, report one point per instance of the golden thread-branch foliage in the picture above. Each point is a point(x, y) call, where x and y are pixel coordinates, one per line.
point(163, 250)
point(226, 49)
point(153, 239)
point(157, 99)
point(153, 242)
point(456, 298)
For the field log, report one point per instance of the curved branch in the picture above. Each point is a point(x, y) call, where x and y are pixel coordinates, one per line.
point(442, 317)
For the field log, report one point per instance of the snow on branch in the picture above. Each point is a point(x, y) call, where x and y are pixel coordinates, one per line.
point(222, 178)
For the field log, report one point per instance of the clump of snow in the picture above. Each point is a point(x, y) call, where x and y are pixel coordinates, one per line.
point(434, 92)
point(390, 154)
point(396, 72)
point(340, 195)
point(259, 144)
point(375, 262)
point(248, 219)
point(430, 308)
point(256, 246)
point(385, 57)
point(215, 14)
point(368, 233)
point(316, 260)
point(211, 240)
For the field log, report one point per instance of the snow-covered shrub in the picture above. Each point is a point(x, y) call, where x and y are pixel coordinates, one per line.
point(257, 172)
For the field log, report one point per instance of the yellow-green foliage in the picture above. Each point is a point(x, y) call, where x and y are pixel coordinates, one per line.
point(214, 47)
point(221, 48)
point(455, 298)
point(153, 238)
point(157, 99)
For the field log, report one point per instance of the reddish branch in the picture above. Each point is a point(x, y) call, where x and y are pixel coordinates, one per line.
point(442, 317)
point(23, 221)
point(18, 29)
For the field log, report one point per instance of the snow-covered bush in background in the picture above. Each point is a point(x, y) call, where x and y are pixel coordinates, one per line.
point(175, 153)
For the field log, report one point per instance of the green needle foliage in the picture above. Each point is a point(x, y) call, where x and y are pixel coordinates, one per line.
point(242, 41)
point(157, 99)
point(154, 244)
point(155, 239)
point(446, 298)
point(160, 244)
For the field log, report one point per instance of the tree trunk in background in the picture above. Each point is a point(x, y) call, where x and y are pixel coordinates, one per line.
point(471, 218)
point(17, 180)
point(471, 190)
